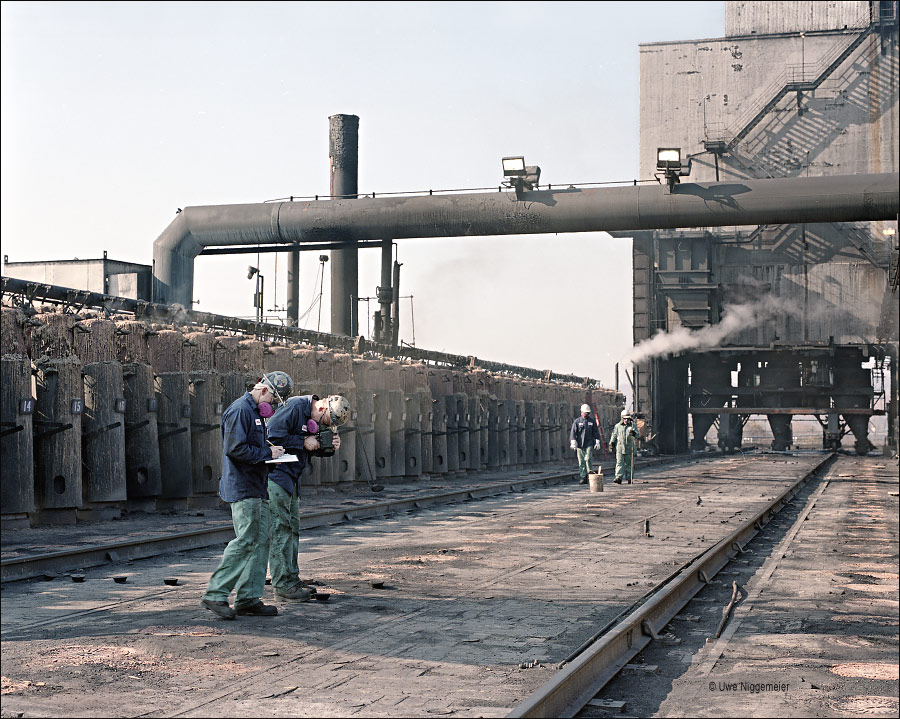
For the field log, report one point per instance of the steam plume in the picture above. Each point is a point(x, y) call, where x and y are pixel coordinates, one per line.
point(736, 318)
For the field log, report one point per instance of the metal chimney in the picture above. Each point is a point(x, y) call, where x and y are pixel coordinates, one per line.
point(343, 150)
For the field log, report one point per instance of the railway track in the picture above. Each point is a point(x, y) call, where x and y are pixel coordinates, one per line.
point(566, 694)
point(39, 564)
point(49, 563)
point(489, 598)
point(803, 623)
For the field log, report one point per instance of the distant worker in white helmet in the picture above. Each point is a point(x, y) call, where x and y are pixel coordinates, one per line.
point(623, 441)
point(584, 438)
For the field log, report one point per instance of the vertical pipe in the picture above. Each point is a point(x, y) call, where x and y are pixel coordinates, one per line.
point(385, 294)
point(395, 325)
point(293, 288)
point(343, 151)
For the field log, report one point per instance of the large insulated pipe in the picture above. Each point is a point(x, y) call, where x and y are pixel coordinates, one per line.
point(788, 200)
point(343, 151)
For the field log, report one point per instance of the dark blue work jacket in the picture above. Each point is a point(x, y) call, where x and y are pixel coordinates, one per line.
point(244, 452)
point(286, 429)
point(584, 432)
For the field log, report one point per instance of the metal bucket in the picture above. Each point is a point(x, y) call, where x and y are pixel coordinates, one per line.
point(595, 482)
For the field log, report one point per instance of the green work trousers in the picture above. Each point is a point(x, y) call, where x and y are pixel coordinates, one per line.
point(285, 532)
point(584, 461)
point(243, 565)
point(624, 468)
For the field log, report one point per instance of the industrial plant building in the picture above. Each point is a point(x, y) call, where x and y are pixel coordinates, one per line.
point(770, 321)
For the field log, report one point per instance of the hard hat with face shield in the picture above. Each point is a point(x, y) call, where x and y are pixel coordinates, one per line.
point(338, 409)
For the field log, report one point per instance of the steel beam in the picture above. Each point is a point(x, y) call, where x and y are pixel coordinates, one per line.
point(782, 410)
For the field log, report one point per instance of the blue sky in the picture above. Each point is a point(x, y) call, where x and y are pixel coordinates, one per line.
point(115, 114)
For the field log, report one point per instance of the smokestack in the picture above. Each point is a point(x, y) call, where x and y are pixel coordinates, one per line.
point(343, 151)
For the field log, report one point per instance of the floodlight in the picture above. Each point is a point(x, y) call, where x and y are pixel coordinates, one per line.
point(668, 161)
point(514, 166)
point(668, 158)
point(520, 176)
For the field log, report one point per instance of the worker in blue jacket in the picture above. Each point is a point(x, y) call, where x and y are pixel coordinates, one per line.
point(584, 438)
point(292, 429)
point(245, 450)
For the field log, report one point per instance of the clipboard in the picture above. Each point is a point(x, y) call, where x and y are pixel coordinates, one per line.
point(284, 458)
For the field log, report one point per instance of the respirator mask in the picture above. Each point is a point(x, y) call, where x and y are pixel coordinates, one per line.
point(325, 437)
point(267, 409)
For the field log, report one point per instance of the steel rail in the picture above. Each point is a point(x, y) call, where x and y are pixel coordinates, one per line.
point(569, 691)
point(26, 567)
point(14, 632)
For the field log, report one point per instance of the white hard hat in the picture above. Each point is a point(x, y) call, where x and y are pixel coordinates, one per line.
point(625, 413)
point(585, 408)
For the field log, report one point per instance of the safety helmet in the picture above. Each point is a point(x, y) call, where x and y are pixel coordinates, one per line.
point(585, 408)
point(338, 409)
point(626, 414)
point(280, 382)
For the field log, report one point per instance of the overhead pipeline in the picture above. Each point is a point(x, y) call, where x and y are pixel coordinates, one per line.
point(746, 202)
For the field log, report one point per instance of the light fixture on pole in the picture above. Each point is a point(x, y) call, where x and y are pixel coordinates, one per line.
point(668, 161)
point(520, 176)
point(258, 292)
point(322, 260)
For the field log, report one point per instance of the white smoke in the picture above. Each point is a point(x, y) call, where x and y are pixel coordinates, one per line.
point(735, 318)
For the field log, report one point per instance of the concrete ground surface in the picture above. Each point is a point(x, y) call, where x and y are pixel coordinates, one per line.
point(480, 602)
point(136, 524)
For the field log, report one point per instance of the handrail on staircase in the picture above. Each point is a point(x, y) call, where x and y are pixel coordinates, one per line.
point(788, 81)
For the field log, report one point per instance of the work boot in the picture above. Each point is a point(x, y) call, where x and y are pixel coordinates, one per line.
point(256, 608)
point(308, 587)
point(618, 480)
point(583, 480)
point(220, 608)
point(296, 593)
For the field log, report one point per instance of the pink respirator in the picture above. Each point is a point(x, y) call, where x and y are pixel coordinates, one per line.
point(265, 410)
